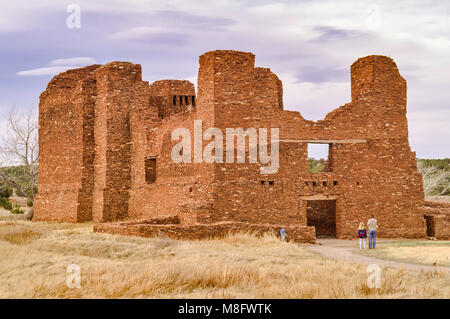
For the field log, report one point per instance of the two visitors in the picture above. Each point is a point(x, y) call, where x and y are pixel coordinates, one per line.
point(372, 224)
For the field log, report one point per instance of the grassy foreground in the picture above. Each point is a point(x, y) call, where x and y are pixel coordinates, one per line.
point(434, 253)
point(34, 259)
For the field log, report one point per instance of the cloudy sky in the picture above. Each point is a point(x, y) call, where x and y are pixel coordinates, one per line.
point(310, 45)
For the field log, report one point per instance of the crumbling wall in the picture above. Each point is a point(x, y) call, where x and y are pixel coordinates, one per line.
point(86, 99)
point(299, 234)
point(111, 129)
point(239, 95)
point(372, 169)
point(437, 216)
point(66, 112)
point(115, 82)
point(144, 121)
point(172, 97)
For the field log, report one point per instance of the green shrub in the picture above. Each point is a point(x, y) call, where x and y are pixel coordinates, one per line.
point(6, 204)
point(21, 176)
point(17, 210)
point(439, 164)
point(315, 166)
point(5, 192)
point(29, 203)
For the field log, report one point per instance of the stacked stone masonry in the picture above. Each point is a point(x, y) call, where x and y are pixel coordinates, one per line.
point(105, 143)
point(437, 217)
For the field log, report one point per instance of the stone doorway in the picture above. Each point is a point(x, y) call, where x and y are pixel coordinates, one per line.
point(430, 225)
point(322, 215)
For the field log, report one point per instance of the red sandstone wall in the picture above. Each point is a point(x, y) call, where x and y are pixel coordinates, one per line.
point(65, 144)
point(98, 127)
point(172, 97)
point(244, 96)
point(144, 121)
point(176, 185)
point(115, 82)
point(205, 231)
point(438, 215)
point(377, 177)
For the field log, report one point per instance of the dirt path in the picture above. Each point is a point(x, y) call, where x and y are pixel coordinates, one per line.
point(343, 250)
point(6, 215)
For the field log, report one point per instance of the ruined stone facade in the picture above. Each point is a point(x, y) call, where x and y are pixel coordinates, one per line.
point(105, 143)
point(437, 217)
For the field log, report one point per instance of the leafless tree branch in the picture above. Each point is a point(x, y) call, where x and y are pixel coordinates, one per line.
point(433, 178)
point(21, 148)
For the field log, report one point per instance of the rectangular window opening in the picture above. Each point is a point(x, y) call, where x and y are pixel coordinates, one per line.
point(271, 183)
point(186, 100)
point(181, 100)
point(319, 157)
point(150, 170)
point(174, 100)
point(193, 100)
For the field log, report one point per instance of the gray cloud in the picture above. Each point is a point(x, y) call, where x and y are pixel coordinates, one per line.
point(53, 70)
point(319, 74)
point(327, 34)
point(73, 61)
point(59, 65)
point(309, 45)
point(176, 18)
point(154, 35)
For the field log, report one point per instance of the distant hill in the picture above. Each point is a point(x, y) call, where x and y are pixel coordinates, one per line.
point(440, 164)
point(315, 165)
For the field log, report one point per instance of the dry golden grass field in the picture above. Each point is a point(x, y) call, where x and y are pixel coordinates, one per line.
point(34, 259)
point(416, 252)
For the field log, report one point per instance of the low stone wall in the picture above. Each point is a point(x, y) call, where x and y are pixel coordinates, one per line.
point(304, 234)
point(439, 217)
point(442, 227)
point(164, 220)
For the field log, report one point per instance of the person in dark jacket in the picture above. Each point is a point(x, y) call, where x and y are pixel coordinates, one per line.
point(362, 235)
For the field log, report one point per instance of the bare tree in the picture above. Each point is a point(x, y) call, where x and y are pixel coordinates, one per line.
point(20, 147)
point(434, 179)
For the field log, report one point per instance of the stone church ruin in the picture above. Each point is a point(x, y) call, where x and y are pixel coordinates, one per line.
point(105, 155)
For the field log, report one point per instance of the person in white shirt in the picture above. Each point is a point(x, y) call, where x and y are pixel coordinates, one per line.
point(372, 224)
